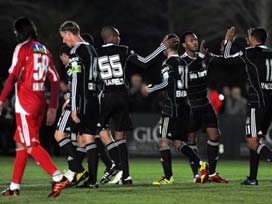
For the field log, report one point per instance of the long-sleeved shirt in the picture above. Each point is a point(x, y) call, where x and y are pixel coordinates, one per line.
point(174, 81)
point(83, 62)
point(112, 61)
point(257, 62)
point(31, 64)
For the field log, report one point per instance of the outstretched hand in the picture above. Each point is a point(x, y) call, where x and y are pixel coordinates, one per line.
point(202, 48)
point(230, 35)
point(249, 34)
point(170, 42)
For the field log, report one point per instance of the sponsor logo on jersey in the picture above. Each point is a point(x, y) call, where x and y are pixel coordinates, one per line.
point(38, 48)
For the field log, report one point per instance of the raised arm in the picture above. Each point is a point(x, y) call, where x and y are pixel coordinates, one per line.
point(145, 62)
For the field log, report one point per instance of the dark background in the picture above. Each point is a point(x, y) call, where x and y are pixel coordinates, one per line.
point(142, 24)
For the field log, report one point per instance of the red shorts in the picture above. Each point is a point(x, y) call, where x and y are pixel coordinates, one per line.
point(27, 131)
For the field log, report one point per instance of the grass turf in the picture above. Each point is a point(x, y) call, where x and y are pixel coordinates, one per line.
point(36, 187)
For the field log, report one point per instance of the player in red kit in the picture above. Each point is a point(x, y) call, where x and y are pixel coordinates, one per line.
point(31, 64)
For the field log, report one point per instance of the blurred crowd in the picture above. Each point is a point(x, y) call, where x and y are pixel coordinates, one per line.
point(226, 100)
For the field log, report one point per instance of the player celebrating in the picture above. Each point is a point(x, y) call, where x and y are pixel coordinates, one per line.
point(175, 112)
point(257, 60)
point(112, 59)
point(203, 115)
point(32, 63)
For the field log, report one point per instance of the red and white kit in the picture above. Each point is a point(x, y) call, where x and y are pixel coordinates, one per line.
point(31, 64)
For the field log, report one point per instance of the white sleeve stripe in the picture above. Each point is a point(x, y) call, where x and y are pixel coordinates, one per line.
point(15, 56)
point(55, 75)
point(152, 55)
point(159, 86)
point(227, 49)
point(74, 87)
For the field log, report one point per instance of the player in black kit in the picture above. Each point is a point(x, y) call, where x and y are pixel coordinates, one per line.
point(203, 115)
point(114, 105)
point(257, 61)
point(176, 110)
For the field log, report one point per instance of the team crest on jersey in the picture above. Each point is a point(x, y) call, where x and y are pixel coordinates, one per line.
point(38, 48)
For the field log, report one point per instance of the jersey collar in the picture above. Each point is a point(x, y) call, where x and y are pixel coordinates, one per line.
point(262, 46)
point(107, 45)
point(186, 55)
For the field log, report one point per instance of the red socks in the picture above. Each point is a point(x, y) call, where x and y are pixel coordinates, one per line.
point(43, 159)
point(19, 165)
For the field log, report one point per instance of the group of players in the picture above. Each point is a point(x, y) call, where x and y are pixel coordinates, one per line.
point(96, 112)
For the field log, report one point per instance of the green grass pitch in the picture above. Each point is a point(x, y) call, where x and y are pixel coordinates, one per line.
point(36, 186)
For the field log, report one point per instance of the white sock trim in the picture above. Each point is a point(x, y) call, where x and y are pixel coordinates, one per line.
point(57, 176)
point(14, 186)
point(69, 175)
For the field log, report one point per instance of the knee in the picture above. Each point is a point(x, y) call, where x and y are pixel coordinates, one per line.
point(59, 136)
point(178, 144)
point(164, 143)
point(120, 135)
point(214, 135)
point(252, 145)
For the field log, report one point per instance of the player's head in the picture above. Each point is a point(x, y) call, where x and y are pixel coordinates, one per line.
point(174, 47)
point(88, 38)
point(189, 41)
point(70, 33)
point(110, 34)
point(258, 37)
point(239, 44)
point(24, 29)
point(64, 52)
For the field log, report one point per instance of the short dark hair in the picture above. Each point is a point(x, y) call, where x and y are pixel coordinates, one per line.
point(88, 38)
point(107, 31)
point(259, 34)
point(184, 35)
point(239, 44)
point(25, 28)
point(175, 46)
point(64, 49)
point(70, 26)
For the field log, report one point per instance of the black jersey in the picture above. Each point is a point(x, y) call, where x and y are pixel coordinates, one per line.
point(174, 75)
point(112, 60)
point(257, 62)
point(83, 61)
point(198, 76)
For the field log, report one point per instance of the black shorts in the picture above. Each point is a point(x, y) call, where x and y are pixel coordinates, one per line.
point(267, 115)
point(203, 118)
point(175, 128)
point(114, 110)
point(258, 121)
point(65, 122)
point(89, 118)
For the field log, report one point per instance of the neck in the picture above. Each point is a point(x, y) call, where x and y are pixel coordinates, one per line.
point(109, 42)
point(171, 53)
point(77, 39)
point(191, 53)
